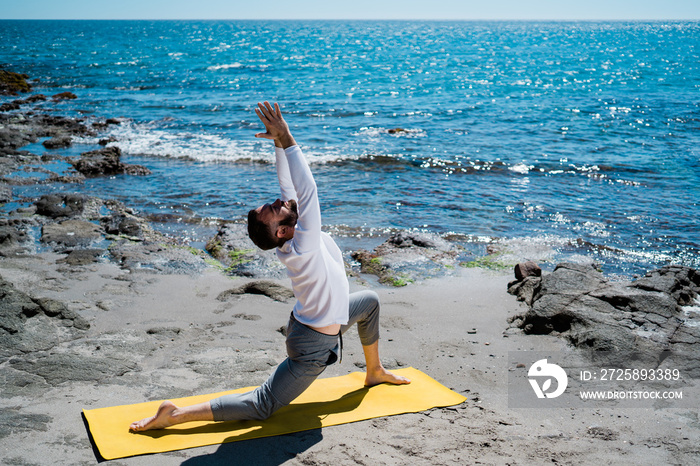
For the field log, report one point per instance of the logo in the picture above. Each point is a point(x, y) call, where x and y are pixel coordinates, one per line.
point(544, 369)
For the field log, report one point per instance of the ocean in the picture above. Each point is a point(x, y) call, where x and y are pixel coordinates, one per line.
point(549, 141)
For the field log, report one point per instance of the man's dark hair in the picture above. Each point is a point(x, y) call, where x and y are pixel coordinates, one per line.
point(261, 234)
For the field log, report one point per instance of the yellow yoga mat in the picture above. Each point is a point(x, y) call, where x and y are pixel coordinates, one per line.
point(327, 402)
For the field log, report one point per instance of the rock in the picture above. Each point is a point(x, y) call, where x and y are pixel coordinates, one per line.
point(263, 287)
point(527, 269)
point(100, 125)
point(8, 106)
point(167, 332)
point(53, 308)
point(5, 193)
point(105, 141)
point(642, 317)
point(58, 142)
point(156, 257)
point(63, 205)
point(71, 233)
point(11, 83)
point(64, 96)
point(62, 367)
point(408, 256)
point(232, 247)
point(14, 421)
point(395, 130)
point(82, 257)
point(123, 224)
point(11, 236)
point(35, 98)
point(28, 325)
point(106, 161)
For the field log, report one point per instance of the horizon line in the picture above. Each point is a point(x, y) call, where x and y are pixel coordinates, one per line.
point(356, 19)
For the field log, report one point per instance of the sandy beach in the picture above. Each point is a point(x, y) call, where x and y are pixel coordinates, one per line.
point(160, 336)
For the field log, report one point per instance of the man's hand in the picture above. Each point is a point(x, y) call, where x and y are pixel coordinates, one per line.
point(275, 125)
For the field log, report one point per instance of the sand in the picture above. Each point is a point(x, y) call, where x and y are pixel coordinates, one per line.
point(181, 341)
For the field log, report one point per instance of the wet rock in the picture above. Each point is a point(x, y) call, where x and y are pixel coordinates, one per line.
point(62, 205)
point(106, 161)
point(232, 247)
point(101, 125)
point(643, 317)
point(66, 367)
point(395, 130)
point(156, 257)
point(58, 142)
point(71, 233)
point(263, 287)
point(82, 257)
point(123, 224)
point(527, 269)
point(11, 83)
point(5, 193)
point(33, 324)
point(34, 98)
point(11, 236)
point(8, 106)
point(105, 141)
point(408, 256)
point(64, 96)
point(14, 420)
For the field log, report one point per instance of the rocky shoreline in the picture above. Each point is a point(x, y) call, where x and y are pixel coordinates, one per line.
point(94, 299)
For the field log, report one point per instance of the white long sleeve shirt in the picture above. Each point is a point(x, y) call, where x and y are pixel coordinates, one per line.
point(313, 260)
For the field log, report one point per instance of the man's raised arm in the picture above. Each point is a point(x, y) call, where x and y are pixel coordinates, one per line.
point(292, 166)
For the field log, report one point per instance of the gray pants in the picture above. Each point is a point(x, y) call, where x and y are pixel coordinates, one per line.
point(309, 352)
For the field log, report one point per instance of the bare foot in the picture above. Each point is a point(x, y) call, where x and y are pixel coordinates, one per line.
point(382, 375)
point(162, 419)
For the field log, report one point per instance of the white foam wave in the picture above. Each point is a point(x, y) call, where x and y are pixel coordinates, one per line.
point(147, 139)
point(225, 67)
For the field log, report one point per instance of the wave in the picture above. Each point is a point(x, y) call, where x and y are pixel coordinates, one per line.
point(152, 139)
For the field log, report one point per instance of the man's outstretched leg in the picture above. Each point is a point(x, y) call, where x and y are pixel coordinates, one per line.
point(364, 310)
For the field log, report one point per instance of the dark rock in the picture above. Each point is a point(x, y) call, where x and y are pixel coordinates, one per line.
point(105, 141)
point(62, 367)
point(527, 269)
point(395, 130)
point(64, 96)
point(5, 193)
point(232, 247)
point(263, 287)
point(8, 106)
point(100, 125)
point(123, 224)
point(14, 421)
point(58, 142)
point(71, 233)
point(168, 332)
point(29, 325)
point(408, 256)
point(156, 257)
point(82, 257)
point(11, 83)
point(53, 308)
point(11, 236)
point(61, 205)
point(106, 161)
point(35, 98)
point(642, 317)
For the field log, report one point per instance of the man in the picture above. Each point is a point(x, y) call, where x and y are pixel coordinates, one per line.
point(324, 310)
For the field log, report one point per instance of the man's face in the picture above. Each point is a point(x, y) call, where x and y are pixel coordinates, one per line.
point(277, 212)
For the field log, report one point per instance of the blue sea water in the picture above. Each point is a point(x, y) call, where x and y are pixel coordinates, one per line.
point(549, 140)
